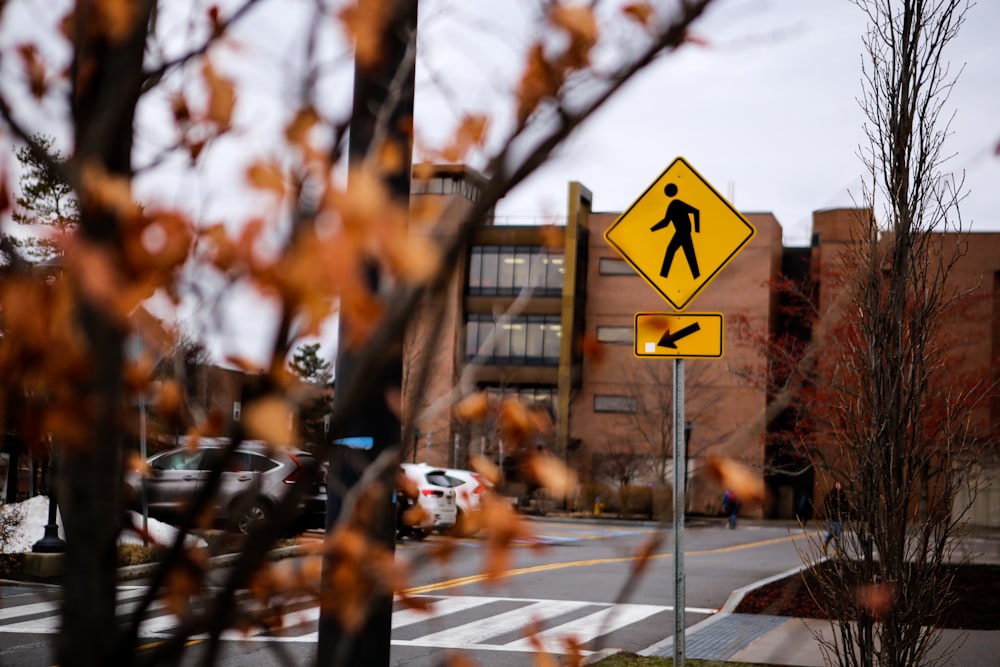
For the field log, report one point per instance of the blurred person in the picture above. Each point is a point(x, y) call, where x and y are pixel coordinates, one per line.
point(835, 505)
point(731, 505)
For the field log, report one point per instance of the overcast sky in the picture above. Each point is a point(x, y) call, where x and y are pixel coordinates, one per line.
point(768, 113)
point(764, 107)
point(766, 110)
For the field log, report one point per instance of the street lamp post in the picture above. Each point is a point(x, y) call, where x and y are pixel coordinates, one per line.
point(51, 543)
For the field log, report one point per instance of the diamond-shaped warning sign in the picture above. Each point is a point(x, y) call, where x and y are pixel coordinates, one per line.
point(679, 234)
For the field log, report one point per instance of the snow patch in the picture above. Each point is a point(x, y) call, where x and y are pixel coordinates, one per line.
point(35, 516)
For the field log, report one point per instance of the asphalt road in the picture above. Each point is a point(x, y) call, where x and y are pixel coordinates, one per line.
point(568, 587)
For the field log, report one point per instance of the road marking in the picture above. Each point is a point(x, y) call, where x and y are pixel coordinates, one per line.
point(476, 578)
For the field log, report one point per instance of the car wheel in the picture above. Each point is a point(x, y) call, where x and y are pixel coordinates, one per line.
point(419, 534)
point(249, 517)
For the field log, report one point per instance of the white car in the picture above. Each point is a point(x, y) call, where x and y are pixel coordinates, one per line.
point(470, 488)
point(436, 497)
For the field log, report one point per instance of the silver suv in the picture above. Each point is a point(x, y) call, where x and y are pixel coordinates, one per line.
point(254, 479)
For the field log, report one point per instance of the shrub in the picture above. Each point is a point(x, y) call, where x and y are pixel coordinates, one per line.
point(636, 499)
point(663, 503)
point(589, 494)
point(137, 554)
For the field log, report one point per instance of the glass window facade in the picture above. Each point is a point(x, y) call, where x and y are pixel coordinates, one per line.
point(507, 270)
point(527, 340)
point(540, 396)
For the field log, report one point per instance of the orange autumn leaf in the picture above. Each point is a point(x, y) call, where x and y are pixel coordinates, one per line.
point(471, 133)
point(592, 349)
point(424, 171)
point(179, 107)
point(485, 467)
point(503, 526)
point(302, 123)
point(158, 243)
point(34, 69)
point(473, 408)
point(167, 238)
point(514, 421)
point(539, 81)
point(170, 401)
point(365, 22)
point(579, 24)
point(111, 192)
point(554, 237)
point(390, 156)
point(876, 599)
point(116, 19)
point(640, 12)
point(270, 419)
point(221, 97)
point(137, 374)
point(98, 274)
point(414, 259)
point(266, 176)
point(737, 477)
point(366, 199)
point(553, 475)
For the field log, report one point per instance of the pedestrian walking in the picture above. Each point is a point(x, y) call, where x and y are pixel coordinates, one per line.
point(836, 508)
point(731, 504)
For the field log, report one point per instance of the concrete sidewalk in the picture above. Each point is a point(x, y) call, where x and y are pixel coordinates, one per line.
point(782, 640)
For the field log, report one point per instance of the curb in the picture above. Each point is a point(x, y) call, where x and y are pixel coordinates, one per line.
point(737, 596)
point(131, 572)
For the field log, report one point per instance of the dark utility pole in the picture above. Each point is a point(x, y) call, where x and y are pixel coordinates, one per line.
point(383, 111)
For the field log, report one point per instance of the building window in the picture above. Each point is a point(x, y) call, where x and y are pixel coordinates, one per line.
point(540, 397)
point(508, 270)
point(615, 267)
point(528, 340)
point(624, 404)
point(616, 335)
point(446, 185)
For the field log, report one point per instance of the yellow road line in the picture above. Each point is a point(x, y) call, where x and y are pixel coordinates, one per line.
point(476, 578)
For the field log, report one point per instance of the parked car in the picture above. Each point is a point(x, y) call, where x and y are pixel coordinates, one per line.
point(469, 489)
point(254, 480)
point(434, 495)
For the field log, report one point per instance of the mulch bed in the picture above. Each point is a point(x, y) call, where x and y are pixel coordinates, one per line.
point(977, 588)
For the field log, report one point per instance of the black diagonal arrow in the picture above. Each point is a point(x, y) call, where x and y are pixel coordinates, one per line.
point(670, 339)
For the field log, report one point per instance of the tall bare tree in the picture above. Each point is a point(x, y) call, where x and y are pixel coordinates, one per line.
point(650, 386)
point(895, 415)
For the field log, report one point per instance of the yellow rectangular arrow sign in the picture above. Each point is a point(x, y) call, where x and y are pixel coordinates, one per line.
point(679, 335)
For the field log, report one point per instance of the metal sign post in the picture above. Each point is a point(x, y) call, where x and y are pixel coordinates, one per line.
point(680, 490)
point(679, 211)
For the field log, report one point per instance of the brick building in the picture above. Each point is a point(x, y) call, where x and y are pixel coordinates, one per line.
point(610, 409)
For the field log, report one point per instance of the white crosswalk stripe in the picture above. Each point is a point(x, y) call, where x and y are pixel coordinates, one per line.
point(471, 622)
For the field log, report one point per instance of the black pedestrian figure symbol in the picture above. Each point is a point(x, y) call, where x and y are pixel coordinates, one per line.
point(679, 213)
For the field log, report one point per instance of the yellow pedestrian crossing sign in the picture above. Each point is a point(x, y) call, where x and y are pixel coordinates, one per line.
point(679, 335)
point(679, 234)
